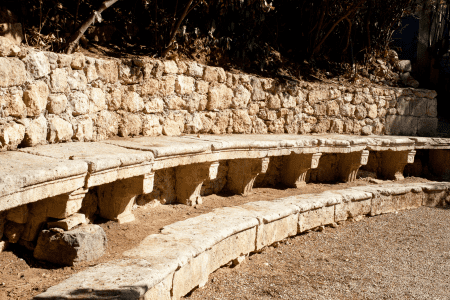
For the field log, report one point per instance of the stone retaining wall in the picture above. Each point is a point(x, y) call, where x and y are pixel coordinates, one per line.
point(52, 98)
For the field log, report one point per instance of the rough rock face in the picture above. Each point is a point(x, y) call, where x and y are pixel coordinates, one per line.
point(84, 243)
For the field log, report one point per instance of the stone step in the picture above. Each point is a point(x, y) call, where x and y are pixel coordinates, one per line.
point(171, 264)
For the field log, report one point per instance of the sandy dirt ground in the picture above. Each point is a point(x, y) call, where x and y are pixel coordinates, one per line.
point(22, 276)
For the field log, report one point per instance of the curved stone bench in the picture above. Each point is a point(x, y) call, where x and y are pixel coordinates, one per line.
point(170, 264)
point(52, 180)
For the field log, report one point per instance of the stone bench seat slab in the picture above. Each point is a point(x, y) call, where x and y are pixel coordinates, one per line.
point(431, 143)
point(162, 146)
point(107, 163)
point(393, 143)
point(28, 178)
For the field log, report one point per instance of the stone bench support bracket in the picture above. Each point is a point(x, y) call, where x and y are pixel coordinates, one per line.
point(243, 172)
point(296, 167)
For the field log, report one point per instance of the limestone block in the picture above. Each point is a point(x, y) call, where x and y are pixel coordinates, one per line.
point(241, 97)
point(243, 172)
point(8, 47)
point(11, 135)
point(241, 122)
point(64, 60)
point(35, 98)
point(318, 96)
point(167, 85)
point(195, 70)
point(18, 214)
point(349, 164)
point(116, 199)
point(63, 206)
point(90, 71)
point(12, 72)
point(14, 105)
point(56, 103)
point(78, 61)
point(352, 209)
point(287, 100)
point(427, 126)
point(347, 110)
point(36, 132)
point(37, 64)
point(154, 105)
point(151, 126)
point(132, 102)
point(315, 218)
point(401, 125)
point(131, 125)
point(278, 230)
point(184, 85)
point(149, 87)
point(172, 127)
point(372, 111)
point(219, 97)
point(360, 112)
point(332, 108)
point(13, 231)
point(231, 248)
point(175, 103)
point(58, 81)
point(432, 108)
point(320, 109)
point(107, 124)
point(258, 93)
point(69, 222)
point(84, 131)
point(161, 291)
point(3, 246)
point(337, 126)
point(418, 107)
point(194, 273)
point(97, 100)
point(408, 201)
point(85, 243)
point(37, 216)
point(273, 102)
point(59, 130)
point(79, 103)
point(201, 87)
point(404, 66)
point(435, 198)
point(189, 181)
point(383, 204)
point(77, 80)
point(170, 67)
point(296, 167)
point(392, 163)
point(107, 70)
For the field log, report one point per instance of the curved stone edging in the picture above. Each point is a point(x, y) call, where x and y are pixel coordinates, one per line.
point(170, 264)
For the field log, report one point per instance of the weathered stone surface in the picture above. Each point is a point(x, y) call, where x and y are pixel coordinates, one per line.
point(151, 126)
point(107, 124)
point(18, 214)
point(401, 125)
point(404, 66)
point(85, 243)
point(56, 103)
point(131, 125)
point(69, 222)
point(84, 129)
point(241, 97)
point(12, 72)
point(78, 61)
point(243, 172)
point(107, 70)
point(77, 80)
point(14, 105)
point(59, 130)
point(11, 135)
point(36, 132)
point(79, 103)
point(219, 97)
point(315, 218)
point(427, 126)
point(35, 98)
point(296, 168)
point(58, 81)
point(97, 100)
point(37, 64)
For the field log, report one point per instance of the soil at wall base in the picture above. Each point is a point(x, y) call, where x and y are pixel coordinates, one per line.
point(22, 276)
